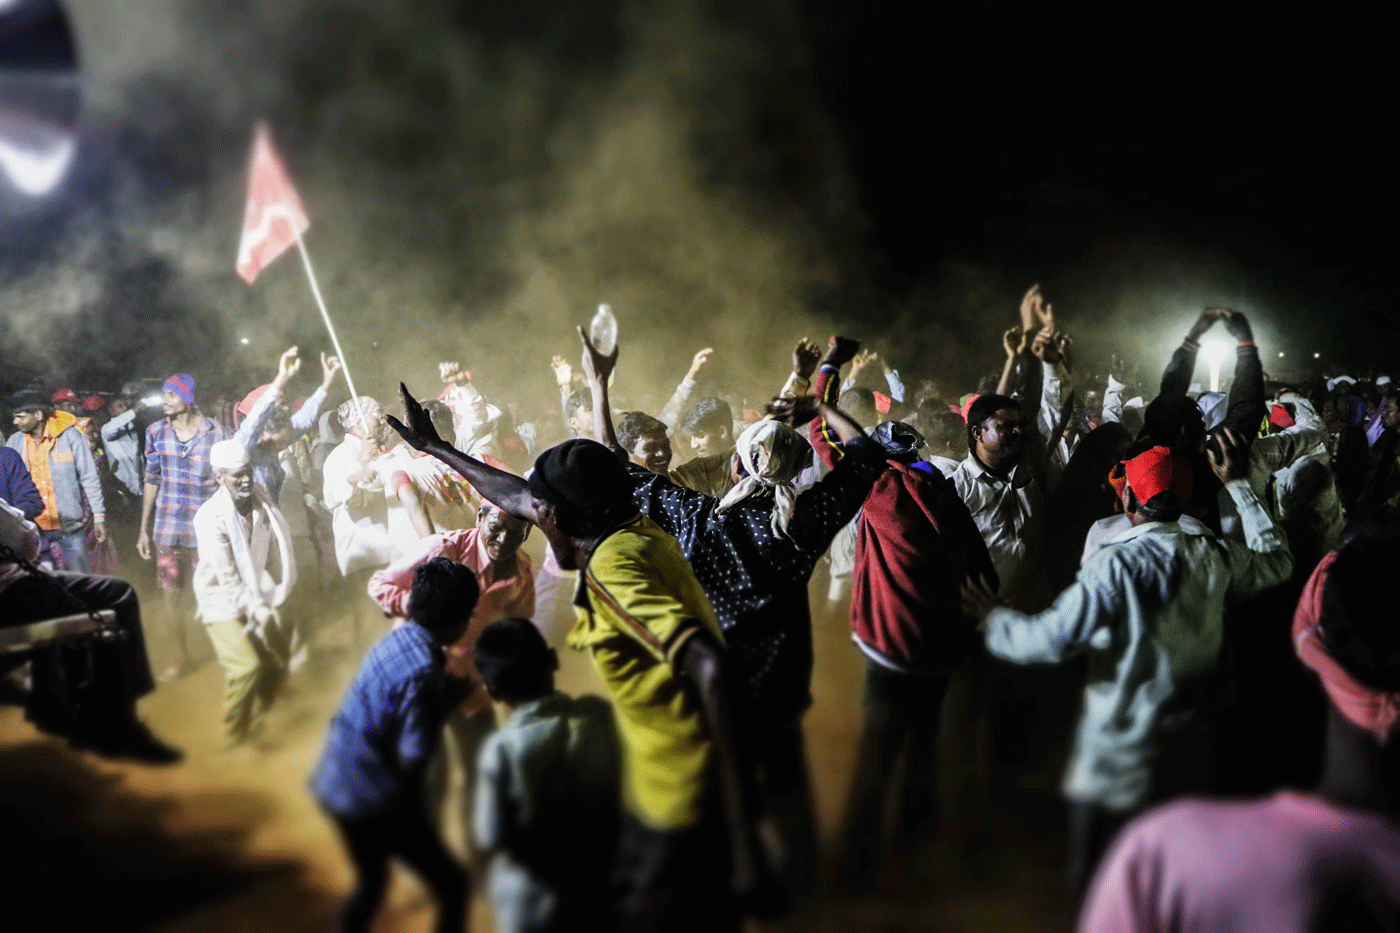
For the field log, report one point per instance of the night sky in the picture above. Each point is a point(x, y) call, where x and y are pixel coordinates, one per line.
point(911, 165)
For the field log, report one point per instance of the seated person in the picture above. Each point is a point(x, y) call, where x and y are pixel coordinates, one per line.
point(96, 710)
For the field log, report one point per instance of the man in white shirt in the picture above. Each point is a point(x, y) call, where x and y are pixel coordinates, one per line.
point(1148, 609)
point(238, 600)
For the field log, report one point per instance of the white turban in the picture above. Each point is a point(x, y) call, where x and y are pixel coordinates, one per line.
point(228, 455)
point(1333, 383)
point(772, 455)
point(355, 409)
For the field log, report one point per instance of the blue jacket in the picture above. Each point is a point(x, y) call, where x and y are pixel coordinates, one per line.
point(16, 487)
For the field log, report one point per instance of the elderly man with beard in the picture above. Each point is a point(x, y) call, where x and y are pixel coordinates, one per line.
point(238, 600)
point(505, 575)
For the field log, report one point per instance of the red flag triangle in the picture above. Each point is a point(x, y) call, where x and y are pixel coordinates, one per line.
point(274, 218)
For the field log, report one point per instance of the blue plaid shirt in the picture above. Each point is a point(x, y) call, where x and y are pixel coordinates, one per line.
point(387, 727)
point(181, 470)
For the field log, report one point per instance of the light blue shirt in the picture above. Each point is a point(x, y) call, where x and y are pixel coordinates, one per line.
point(1149, 609)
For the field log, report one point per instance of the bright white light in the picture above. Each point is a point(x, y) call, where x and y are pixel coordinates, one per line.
point(244, 341)
point(1316, 355)
point(152, 400)
point(1215, 352)
point(33, 155)
point(1280, 356)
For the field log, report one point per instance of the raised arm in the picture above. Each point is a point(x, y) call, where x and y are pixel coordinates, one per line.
point(596, 369)
point(823, 436)
point(1177, 378)
point(304, 418)
point(509, 492)
point(1246, 407)
point(251, 430)
point(671, 411)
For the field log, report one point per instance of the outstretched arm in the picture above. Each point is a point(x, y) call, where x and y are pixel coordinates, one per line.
point(1246, 407)
point(506, 490)
point(1177, 378)
point(596, 369)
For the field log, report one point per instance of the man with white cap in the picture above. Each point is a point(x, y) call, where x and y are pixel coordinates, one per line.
point(753, 552)
point(1148, 610)
point(238, 598)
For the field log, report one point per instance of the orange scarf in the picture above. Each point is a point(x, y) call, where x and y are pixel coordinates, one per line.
point(36, 457)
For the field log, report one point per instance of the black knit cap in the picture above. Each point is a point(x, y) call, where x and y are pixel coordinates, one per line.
point(582, 476)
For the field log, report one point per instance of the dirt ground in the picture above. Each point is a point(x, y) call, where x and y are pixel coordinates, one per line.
point(222, 844)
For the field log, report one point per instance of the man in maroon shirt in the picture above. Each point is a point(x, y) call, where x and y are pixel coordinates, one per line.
point(915, 543)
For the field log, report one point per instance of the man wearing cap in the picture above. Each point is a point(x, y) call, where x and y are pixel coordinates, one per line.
point(689, 858)
point(238, 598)
point(915, 544)
point(1148, 610)
point(59, 460)
point(257, 409)
point(1292, 861)
point(353, 490)
point(177, 481)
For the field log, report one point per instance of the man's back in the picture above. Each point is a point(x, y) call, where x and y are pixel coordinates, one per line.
point(1291, 863)
point(546, 806)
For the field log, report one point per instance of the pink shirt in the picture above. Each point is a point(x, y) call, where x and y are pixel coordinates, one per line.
point(1278, 865)
point(501, 595)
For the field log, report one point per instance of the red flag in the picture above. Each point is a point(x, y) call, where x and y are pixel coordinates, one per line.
point(274, 218)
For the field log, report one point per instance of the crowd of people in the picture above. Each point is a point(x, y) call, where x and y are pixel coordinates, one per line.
point(1187, 566)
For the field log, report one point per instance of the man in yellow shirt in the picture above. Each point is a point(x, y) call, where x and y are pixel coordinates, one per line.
point(689, 858)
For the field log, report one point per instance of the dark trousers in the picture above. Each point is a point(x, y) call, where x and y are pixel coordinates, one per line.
point(675, 881)
point(1092, 829)
point(902, 713)
point(780, 757)
point(82, 685)
point(403, 832)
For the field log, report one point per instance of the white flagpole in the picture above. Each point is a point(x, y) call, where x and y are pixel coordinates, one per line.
point(335, 341)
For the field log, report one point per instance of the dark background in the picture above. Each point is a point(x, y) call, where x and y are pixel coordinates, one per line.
point(921, 163)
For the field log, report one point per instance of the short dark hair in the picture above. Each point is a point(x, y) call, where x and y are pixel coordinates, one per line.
point(1358, 633)
point(635, 425)
point(444, 594)
point(1163, 507)
point(513, 659)
point(709, 416)
point(986, 406)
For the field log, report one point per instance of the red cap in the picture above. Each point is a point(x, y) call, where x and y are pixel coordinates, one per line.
point(1280, 418)
point(1158, 470)
point(93, 402)
point(245, 407)
point(967, 404)
point(64, 395)
point(882, 402)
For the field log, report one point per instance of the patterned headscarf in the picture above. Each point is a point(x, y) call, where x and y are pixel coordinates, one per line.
point(772, 454)
point(351, 412)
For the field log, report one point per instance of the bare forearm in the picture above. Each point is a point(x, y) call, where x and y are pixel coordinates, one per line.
point(705, 664)
point(505, 490)
point(840, 423)
point(603, 431)
point(1004, 384)
point(148, 504)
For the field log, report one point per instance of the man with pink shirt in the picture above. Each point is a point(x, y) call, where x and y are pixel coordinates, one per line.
point(491, 550)
point(1329, 860)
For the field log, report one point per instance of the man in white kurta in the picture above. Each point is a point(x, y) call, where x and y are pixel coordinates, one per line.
point(238, 600)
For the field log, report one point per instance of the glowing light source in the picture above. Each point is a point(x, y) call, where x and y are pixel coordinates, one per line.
point(1215, 352)
point(244, 341)
point(33, 156)
point(1280, 356)
point(1316, 355)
